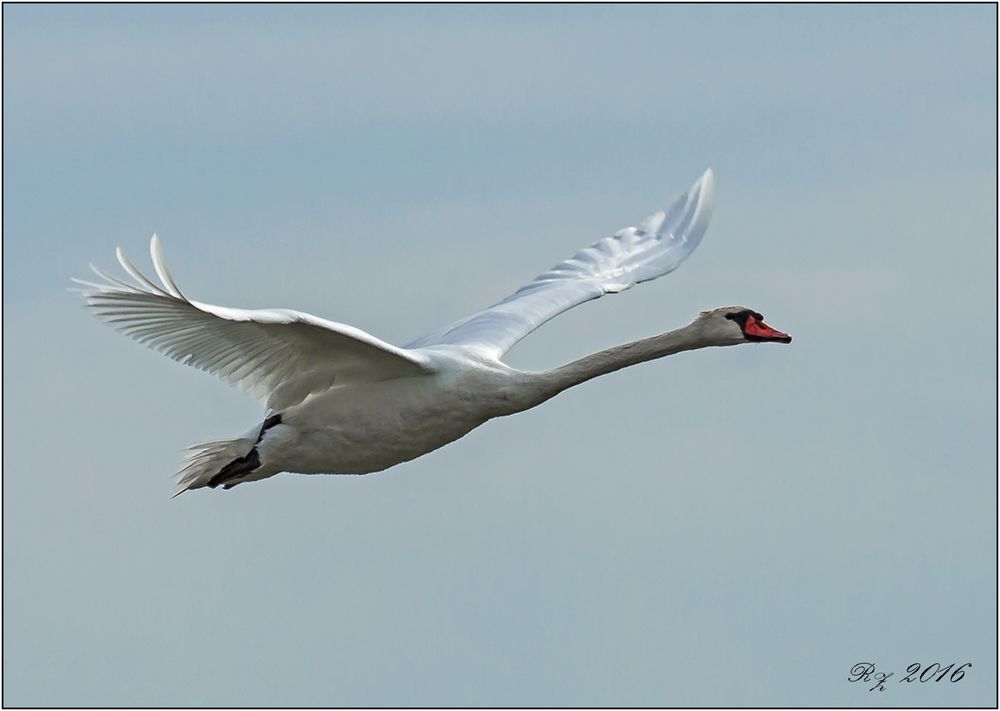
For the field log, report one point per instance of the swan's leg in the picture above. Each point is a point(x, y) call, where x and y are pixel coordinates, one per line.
point(262, 472)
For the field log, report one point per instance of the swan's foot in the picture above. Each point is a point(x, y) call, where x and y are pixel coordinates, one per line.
point(235, 470)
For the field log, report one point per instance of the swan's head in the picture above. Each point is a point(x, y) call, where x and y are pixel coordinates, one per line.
point(732, 325)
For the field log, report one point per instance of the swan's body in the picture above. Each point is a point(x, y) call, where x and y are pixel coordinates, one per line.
point(367, 427)
point(342, 401)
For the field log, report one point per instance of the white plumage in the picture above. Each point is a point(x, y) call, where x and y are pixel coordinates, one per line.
point(279, 355)
point(613, 264)
point(340, 400)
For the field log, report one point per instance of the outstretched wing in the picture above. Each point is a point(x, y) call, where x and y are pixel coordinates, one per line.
point(632, 255)
point(280, 356)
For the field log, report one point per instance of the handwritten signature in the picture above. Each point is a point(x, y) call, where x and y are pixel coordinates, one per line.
point(929, 673)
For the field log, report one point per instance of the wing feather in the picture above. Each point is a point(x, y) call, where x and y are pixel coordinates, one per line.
point(279, 355)
point(631, 256)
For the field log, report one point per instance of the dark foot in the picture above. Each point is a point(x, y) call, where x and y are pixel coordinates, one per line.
point(236, 468)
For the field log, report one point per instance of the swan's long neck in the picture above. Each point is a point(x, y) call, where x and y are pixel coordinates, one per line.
point(554, 381)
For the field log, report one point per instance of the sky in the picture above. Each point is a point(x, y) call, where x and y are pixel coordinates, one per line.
point(733, 526)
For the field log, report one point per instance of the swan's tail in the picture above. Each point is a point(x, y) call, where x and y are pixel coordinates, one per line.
point(213, 463)
point(227, 462)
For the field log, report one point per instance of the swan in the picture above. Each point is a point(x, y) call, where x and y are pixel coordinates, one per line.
point(341, 401)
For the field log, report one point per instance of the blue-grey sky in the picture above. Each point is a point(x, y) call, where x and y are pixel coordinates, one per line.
point(734, 526)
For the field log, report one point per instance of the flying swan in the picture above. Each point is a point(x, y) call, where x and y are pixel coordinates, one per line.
point(340, 401)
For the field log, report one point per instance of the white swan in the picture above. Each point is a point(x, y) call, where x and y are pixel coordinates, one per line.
point(342, 401)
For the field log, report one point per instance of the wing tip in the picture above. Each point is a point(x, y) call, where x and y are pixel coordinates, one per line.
point(704, 188)
point(160, 266)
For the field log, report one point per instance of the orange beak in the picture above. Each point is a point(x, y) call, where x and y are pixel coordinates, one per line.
point(757, 330)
